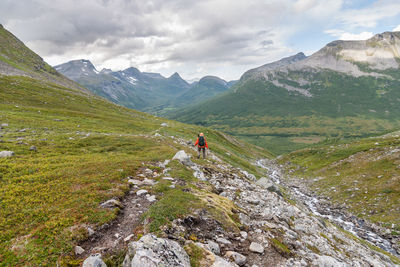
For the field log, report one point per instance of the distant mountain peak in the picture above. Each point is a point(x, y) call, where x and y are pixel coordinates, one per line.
point(175, 75)
point(211, 78)
point(178, 79)
point(106, 71)
point(77, 68)
point(276, 64)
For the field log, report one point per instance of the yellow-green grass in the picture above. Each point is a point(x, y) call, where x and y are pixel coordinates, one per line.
point(363, 175)
point(86, 147)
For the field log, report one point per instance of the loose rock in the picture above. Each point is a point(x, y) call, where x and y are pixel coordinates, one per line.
point(224, 241)
point(151, 198)
point(94, 261)
point(327, 261)
point(141, 192)
point(151, 251)
point(134, 182)
point(213, 247)
point(6, 154)
point(256, 247)
point(79, 250)
point(183, 158)
point(238, 258)
point(111, 203)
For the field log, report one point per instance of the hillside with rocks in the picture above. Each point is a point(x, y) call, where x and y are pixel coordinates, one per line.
point(85, 182)
point(267, 227)
point(346, 89)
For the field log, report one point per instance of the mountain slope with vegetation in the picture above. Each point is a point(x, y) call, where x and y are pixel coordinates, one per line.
point(148, 92)
point(130, 87)
point(302, 100)
point(206, 88)
point(17, 59)
point(81, 175)
point(70, 153)
point(362, 176)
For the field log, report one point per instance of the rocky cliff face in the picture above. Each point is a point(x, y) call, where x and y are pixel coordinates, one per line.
point(378, 53)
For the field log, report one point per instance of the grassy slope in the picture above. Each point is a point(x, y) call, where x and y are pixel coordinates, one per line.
point(284, 121)
point(364, 175)
point(85, 149)
point(14, 53)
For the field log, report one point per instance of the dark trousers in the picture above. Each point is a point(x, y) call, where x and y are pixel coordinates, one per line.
point(204, 152)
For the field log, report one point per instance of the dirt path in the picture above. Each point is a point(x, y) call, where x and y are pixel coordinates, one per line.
point(111, 238)
point(114, 237)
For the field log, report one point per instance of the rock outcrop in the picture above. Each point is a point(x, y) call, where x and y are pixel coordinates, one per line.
point(151, 251)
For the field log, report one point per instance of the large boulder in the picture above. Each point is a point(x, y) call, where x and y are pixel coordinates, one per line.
point(151, 251)
point(111, 203)
point(268, 184)
point(264, 182)
point(183, 158)
point(94, 261)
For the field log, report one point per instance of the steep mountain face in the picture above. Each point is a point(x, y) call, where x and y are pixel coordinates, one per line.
point(274, 65)
point(348, 88)
point(129, 87)
point(17, 59)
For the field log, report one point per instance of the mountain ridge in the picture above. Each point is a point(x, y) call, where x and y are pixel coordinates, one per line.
point(323, 95)
point(145, 91)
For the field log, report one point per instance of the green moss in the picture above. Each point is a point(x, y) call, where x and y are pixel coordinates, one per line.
point(196, 254)
point(116, 259)
point(175, 204)
point(281, 248)
point(313, 249)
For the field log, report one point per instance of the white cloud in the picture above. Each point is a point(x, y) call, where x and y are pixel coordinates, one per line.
point(369, 17)
point(341, 35)
point(397, 29)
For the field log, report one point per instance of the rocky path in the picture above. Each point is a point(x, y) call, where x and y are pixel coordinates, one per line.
point(113, 237)
point(273, 230)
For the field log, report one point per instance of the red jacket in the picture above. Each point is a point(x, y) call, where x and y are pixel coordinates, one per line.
point(205, 141)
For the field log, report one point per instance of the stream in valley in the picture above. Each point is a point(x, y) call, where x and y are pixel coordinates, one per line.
point(352, 224)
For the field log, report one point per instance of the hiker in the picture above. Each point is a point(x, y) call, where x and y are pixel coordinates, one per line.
point(202, 144)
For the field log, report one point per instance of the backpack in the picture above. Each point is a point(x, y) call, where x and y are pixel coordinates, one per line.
point(202, 141)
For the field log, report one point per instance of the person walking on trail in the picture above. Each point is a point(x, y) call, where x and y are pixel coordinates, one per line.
point(202, 145)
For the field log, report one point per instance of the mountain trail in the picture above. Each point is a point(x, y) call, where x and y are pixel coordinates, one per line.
point(113, 237)
point(267, 228)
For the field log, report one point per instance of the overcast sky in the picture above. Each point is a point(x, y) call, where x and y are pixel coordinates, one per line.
point(192, 37)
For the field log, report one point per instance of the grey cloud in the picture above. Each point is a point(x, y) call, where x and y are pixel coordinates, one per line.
point(158, 34)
